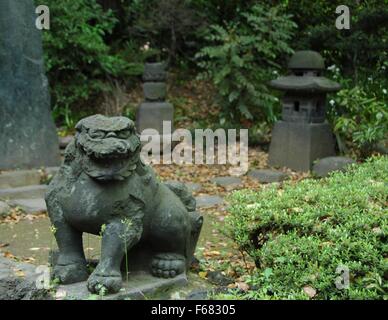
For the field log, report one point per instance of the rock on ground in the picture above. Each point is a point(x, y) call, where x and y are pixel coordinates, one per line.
point(208, 201)
point(268, 176)
point(326, 165)
point(228, 183)
point(193, 187)
point(18, 281)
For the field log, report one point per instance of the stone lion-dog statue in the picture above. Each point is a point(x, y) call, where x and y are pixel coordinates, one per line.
point(104, 188)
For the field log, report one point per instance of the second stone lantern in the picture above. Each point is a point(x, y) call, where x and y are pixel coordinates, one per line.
point(303, 135)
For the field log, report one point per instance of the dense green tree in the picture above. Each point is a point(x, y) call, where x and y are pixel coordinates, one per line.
point(242, 57)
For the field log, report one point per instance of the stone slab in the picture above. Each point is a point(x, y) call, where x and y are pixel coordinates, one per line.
point(193, 187)
point(298, 145)
point(23, 178)
point(267, 176)
point(30, 205)
point(206, 201)
point(28, 137)
point(51, 170)
point(324, 166)
point(228, 183)
point(28, 192)
point(140, 285)
point(150, 115)
point(155, 91)
point(155, 72)
point(14, 179)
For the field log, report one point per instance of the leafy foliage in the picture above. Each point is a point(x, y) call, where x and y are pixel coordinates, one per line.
point(356, 49)
point(360, 119)
point(170, 27)
point(300, 233)
point(240, 59)
point(78, 60)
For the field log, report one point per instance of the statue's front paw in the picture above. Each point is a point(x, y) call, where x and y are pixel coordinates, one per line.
point(168, 265)
point(106, 283)
point(70, 273)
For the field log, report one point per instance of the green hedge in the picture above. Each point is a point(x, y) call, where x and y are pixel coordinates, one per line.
point(299, 233)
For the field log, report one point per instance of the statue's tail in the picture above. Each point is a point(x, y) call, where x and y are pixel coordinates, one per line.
point(196, 219)
point(183, 193)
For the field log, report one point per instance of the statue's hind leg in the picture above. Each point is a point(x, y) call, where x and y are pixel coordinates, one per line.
point(168, 265)
point(196, 227)
point(179, 250)
point(169, 243)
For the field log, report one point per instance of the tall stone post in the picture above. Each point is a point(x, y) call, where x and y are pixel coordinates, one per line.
point(28, 137)
point(154, 113)
point(154, 110)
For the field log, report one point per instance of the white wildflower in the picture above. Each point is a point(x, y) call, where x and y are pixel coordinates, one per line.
point(146, 47)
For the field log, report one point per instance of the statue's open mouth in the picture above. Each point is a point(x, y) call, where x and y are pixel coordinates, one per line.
point(110, 158)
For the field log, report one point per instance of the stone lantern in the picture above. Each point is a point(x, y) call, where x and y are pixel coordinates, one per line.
point(303, 135)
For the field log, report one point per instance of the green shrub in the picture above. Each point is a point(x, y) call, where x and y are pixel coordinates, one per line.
point(360, 120)
point(79, 62)
point(241, 58)
point(298, 234)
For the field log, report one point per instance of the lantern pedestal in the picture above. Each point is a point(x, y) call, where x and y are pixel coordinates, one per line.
point(298, 145)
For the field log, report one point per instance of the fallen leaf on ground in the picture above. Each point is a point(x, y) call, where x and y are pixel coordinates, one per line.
point(19, 273)
point(310, 291)
point(60, 294)
point(242, 286)
point(9, 255)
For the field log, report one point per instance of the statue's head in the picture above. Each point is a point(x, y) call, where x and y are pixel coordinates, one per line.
point(108, 147)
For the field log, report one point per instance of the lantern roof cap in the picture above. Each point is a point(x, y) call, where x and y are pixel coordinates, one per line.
point(305, 84)
point(306, 59)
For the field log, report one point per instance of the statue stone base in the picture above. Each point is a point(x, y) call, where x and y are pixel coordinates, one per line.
point(140, 286)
